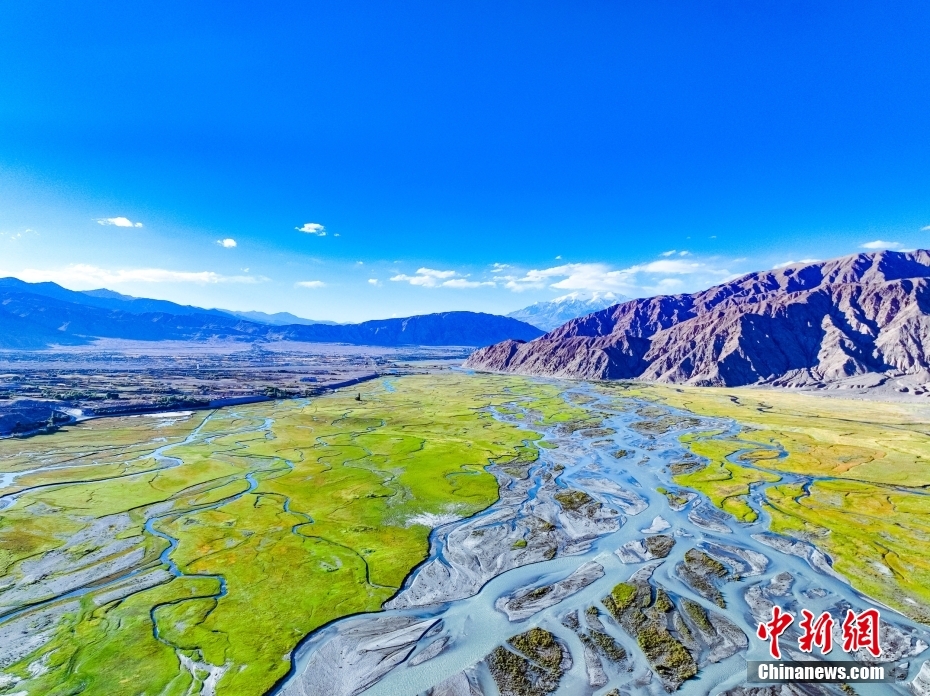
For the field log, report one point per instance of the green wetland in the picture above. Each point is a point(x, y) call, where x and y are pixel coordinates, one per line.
point(331, 545)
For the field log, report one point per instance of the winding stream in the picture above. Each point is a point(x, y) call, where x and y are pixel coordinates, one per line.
point(428, 642)
point(156, 514)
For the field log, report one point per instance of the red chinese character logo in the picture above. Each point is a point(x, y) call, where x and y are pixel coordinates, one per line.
point(819, 632)
point(861, 631)
point(774, 628)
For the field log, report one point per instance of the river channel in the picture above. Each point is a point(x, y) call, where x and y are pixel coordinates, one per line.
point(468, 597)
point(434, 637)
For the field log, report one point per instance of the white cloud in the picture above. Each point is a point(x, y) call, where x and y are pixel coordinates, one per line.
point(462, 283)
point(669, 266)
point(227, 243)
point(785, 264)
point(13, 236)
point(879, 244)
point(312, 228)
point(600, 277)
point(425, 277)
point(572, 276)
point(310, 284)
point(432, 278)
point(925, 228)
point(684, 253)
point(374, 281)
point(83, 274)
point(670, 252)
point(119, 222)
point(498, 267)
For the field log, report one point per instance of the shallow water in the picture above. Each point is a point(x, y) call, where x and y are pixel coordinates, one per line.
point(474, 627)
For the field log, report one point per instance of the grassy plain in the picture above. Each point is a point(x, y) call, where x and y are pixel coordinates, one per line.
point(725, 483)
point(284, 516)
point(868, 463)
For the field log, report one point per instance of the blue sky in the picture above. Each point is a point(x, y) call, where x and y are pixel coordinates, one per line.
point(479, 155)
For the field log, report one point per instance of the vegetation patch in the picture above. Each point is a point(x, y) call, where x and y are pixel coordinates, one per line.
point(669, 658)
point(620, 598)
point(647, 621)
point(675, 498)
point(606, 646)
point(685, 466)
point(573, 500)
point(662, 602)
point(726, 484)
point(697, 614)
point(540, 646)
point(517, 676)
point(532, 668)
point(699, 571)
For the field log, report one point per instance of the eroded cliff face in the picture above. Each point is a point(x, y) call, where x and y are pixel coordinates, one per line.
point(800, 325)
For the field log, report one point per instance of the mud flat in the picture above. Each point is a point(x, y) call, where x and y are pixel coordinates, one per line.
point(361, 652)
point(530, 524)
point(529, 601)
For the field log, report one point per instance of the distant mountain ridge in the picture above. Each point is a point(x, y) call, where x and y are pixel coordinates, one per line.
point(552, 314)
point(102, 298)
point(276, 319)
point(110, 299)
point(799, 325)
point(37, 315)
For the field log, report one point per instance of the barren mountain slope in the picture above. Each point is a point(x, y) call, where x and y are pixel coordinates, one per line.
point(821, 322)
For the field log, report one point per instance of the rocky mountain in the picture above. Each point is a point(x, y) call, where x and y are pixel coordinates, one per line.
point(36, 315)
point(800, 325)
point(552, 314)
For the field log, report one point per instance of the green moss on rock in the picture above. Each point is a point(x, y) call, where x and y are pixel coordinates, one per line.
point(573, 500)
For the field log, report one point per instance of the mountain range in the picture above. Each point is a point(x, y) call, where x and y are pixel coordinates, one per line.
point(552, 314)
point(803, 324)
point(276, 319)
point(37, 315)
point(109, 299)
